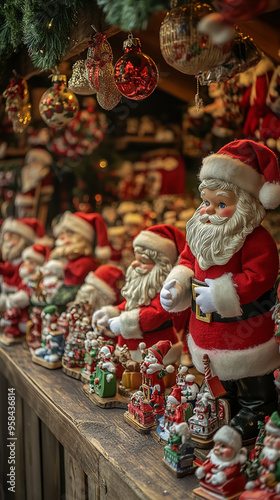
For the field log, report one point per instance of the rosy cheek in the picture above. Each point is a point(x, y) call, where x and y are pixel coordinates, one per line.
point(277, 444)
point(202, 211)
point(227, 452)
point(227, 212)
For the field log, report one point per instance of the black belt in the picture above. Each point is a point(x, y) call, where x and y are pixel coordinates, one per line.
point(166, 324)
point(260, 306)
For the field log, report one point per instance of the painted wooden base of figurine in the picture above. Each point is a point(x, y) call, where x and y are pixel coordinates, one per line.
point(158, 438)
point(117, 401)
point(71, 372)
point(11, 340)
point(201, 493)
point(203, 443)
point(46, 364)
point(181, 473)
point(85, 377)
point(143, 429)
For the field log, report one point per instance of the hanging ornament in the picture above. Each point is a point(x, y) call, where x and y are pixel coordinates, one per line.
point(17, 104)
point(136, 74)
point(79, 82)
point(182, 46)
point(58, 105)
point(101, 71)
point(244, 55)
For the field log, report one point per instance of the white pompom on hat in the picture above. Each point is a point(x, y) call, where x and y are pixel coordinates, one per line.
point(250, 166)
point(88, 226)
point(164, 238)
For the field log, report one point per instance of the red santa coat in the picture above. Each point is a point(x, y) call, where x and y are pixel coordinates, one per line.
point(147, 323)
point(11, 278)
point(234, 481)
point(245, 347)
point(76, 270)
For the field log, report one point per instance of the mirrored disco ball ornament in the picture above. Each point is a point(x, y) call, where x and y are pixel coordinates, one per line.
point(58, 105)
point(136, 74)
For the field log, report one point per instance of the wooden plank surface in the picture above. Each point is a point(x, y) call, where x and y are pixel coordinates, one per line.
point(32, 454)
point(99, 439)
point(50, 465)
point(75, 479)
point(20, 493)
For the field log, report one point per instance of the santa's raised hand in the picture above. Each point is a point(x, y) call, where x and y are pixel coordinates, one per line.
point(100, 318)
point(170, 295)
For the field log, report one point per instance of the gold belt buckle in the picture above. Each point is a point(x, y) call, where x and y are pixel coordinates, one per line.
point(207, 318)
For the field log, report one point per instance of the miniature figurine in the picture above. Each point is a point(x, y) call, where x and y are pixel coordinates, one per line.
point(252, 463)
point(177, 410)
point(103, 380)
point(220, 476)
point(141, 316)
point(73, 360)
point(91, 352)
point(131, 377)
point(178, 453)
point(187, 383)
point(152, 367)
point(267, 484)
point(140, 413)
point(50, 353)
point(228, 285)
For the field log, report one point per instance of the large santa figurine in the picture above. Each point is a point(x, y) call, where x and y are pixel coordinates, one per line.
point(17, 303)
point(140, 316)
point(77, 234)
point(226, 274)
point(16, 235)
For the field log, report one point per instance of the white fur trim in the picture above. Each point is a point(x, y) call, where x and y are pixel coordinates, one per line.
point(55, 266)
point(75, 224)
point(269, 195)
point(226, 168)
point(129, 323)
point(183, 275)
point(103, 253)
point(111, 311)
point(19, 299)
point(101, 285)
point(15, 226)
point(224, 297)
point(22, 200)
point(29, 253)
point(153, 241)
point(233, 365)
point(272, 429)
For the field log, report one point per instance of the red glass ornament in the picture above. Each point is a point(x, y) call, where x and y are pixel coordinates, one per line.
point(136, 74)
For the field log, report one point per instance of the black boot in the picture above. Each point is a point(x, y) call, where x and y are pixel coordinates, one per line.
point(257, 397)
point(231, 396)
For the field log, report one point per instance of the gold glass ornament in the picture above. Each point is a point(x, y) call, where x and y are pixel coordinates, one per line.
point(17, 104)
point(108, 96)
point(58, 105)
point(79, 82)
point(182, 46)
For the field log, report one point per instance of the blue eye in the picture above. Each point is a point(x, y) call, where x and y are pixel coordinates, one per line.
point(207, 203)
point(222, 205)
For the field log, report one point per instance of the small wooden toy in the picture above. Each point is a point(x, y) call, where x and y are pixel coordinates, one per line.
point(131, 377)
point(267, 484)
point(73, 360)
point(220, 476)
point(178, 453)
point(140, 413)
point(152, 368)
point(177, 410)
point(210, 411)
point(50, 353)
point(34, 327)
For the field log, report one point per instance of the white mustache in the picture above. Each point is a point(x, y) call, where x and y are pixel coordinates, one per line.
point(214, 219)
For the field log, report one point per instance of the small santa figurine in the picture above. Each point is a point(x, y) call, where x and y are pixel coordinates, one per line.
point(103, 381)
point(221, 472)
point(102, 287)
point(152, 367)
point(267, 485)
point(76, 233)
point(16, 235)
point(140, 315)
point(230, 286)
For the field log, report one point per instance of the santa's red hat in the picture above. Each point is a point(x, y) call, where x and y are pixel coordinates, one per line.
point(250, 166)
point(108, 280)
point(160, 349)
point(164, 238)
point(176, 396)
point(30, 229)
point(38, 253)
point(90, 226)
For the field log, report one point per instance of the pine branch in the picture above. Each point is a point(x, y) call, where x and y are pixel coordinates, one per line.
point(131, 14)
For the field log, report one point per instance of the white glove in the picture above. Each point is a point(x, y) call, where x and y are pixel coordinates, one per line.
point(115, 325)
point(101, 317)
point(219, 478)
point(204, 299)
point(200, 472)
point(170, 295)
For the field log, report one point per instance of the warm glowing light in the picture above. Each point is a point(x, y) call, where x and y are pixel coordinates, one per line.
point(103, 163)
point(98, 198)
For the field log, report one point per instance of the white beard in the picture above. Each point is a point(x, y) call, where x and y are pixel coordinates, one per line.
point(141, 286)
point(222, 464)
point(270, 453)
point(90, 294)
point(215, 243)
point(13, 252)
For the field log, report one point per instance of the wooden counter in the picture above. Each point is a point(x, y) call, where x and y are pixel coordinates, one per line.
point(68, 448)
